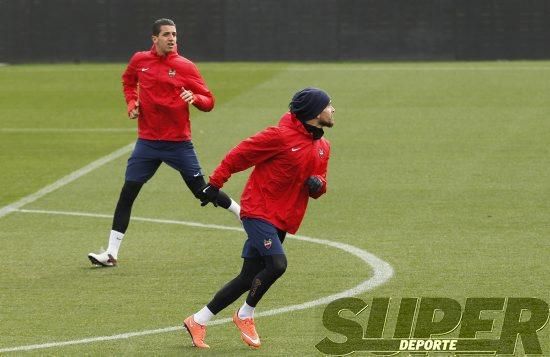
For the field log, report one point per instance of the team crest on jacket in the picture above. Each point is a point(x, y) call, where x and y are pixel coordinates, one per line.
point(267, 243)
point(321, 153)
point(171, 72)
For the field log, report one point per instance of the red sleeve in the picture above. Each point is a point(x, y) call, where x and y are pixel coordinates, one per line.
point(204, 99)
point(322, 175)
point(130, 82)
point(249, 152)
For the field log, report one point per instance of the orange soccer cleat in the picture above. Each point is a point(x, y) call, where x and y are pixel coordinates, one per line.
point(196, 331)
point(248, 330)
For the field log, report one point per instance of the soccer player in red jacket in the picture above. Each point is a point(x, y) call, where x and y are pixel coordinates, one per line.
point(290, 166)
point(159, 86)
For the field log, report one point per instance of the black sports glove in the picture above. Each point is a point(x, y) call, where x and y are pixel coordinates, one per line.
point(210, 194)
point(314, 184)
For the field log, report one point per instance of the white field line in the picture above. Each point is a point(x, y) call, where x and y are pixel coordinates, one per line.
point(382, 273)
point(154, 220)
point(65, 180)
point(66, 130)
point(420, 68)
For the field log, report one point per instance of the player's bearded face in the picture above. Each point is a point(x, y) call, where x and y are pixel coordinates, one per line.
point(326, 118)
point(166, 40)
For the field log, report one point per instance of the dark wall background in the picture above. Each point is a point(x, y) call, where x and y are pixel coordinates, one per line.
point(301, 30)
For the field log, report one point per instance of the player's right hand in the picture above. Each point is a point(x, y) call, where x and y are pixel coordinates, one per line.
point(133, 110)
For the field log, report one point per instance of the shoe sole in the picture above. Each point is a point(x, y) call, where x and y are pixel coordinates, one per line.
point(243, 338)
point(189, 332)
point(254, 347)
point(98, 263)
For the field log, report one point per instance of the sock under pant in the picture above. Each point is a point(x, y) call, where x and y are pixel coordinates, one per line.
point(256, 276)
point(128, 194)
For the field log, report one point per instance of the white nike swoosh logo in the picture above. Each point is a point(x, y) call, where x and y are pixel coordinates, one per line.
point(295, 149)
point(197, 174)
point(144, 69)
point(253, 340)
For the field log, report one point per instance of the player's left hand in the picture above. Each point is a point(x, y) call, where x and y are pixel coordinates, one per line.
point(210, 195)
point(187, 96)
point(314, 184)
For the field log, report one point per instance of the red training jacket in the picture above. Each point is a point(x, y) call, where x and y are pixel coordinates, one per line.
point(157, 81)
point(284, 156)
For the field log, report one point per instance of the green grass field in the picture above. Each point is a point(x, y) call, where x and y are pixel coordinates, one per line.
point(442, 170)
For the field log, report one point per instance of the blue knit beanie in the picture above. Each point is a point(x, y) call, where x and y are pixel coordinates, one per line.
point(308, 103)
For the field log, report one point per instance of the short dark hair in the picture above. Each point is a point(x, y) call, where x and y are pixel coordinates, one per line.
point(161, 22)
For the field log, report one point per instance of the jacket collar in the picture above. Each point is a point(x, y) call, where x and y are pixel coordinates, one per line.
point(291, 121)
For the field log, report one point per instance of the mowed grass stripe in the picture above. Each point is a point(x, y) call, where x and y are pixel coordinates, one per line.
point(65, 180)
point(78, 97)
point(382, 273)
point(66, 130)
